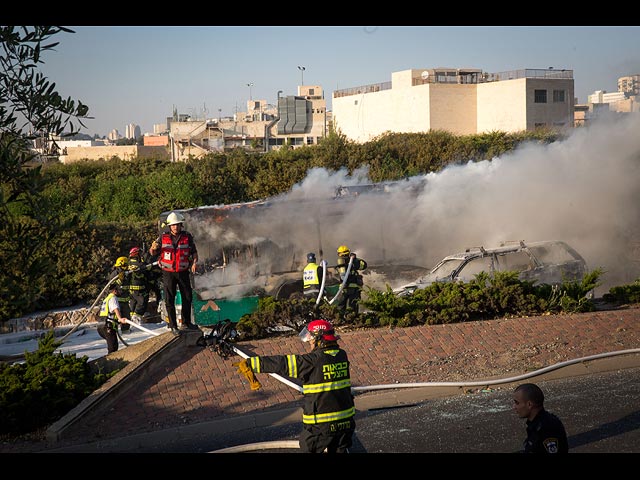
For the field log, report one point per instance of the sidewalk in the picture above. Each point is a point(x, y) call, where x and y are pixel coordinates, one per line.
point(193, 386)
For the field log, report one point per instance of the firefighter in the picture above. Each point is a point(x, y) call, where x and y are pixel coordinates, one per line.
point(121, 270)
point(328, 410)
point(112, 315)
point(311, 277)
point(178, 258)
point(138, 286)
point(350, 297)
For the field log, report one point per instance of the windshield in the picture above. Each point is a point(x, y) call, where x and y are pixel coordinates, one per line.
point(442, 271)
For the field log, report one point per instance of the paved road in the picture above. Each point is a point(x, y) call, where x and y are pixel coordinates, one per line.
point(601, 413)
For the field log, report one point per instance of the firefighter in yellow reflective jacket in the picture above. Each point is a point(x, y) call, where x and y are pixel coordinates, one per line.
point(112, 316)
point(329, 409)
point(311, 277)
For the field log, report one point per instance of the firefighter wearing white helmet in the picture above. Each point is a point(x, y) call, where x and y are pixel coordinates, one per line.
point(175, 218)
point(178, 259)
point(349, 299)
point(328, 410)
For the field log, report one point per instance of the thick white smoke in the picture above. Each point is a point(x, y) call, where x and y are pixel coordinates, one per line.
point(584, 190)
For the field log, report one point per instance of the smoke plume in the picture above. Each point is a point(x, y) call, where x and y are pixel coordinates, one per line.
point(584, 190)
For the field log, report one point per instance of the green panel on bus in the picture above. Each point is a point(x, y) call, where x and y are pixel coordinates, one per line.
point(213, 311)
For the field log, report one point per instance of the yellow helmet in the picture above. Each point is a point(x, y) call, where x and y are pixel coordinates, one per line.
point(121, 262)
point(343, 251)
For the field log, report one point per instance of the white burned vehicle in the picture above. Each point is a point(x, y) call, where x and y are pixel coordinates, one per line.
point(550, 262)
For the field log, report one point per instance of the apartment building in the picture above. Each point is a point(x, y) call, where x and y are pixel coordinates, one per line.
point(461, 101)
point(295, 121)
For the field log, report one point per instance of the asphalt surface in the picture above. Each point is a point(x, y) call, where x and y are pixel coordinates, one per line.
point(193, 401)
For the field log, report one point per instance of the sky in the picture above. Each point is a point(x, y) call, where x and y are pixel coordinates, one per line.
point(139, 74)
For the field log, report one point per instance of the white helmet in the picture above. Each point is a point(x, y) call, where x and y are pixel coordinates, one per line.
point(174, 218)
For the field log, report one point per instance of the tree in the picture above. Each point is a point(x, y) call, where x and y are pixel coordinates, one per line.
point(30, 107)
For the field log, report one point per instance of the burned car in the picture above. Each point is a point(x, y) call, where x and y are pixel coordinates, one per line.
point(551, 262)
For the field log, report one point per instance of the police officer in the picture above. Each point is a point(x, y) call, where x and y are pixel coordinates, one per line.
point(545, 431)
point(328, 410)
point(350, 297)
point(311, 277)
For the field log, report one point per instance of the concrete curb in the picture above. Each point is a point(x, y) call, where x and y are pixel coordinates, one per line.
point(158, 350)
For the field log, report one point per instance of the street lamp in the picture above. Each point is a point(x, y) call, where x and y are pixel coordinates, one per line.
point(219, 115)
point(249, 85)
point(302, 69)
point(278, 104)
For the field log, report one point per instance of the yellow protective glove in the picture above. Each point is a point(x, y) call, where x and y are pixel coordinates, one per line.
point(245, 369)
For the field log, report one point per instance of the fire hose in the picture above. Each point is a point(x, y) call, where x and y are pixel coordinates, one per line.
point(323, 264)
point(344, 281)
point(86, 315)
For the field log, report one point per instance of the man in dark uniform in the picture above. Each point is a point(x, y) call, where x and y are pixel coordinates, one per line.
point(329, 409)
point(545, 431)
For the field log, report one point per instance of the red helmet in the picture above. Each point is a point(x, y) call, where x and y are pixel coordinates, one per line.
point(319, 328)
point(135, 251)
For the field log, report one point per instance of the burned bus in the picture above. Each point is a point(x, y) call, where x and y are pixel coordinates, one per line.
point(253, 249)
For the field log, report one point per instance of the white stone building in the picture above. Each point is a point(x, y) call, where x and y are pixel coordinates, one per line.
point(461, 101)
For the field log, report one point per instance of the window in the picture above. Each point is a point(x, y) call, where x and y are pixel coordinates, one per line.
point(474, 267)
point(514, 261)
point(558, 96)
point(311, 91)
point(540, 96)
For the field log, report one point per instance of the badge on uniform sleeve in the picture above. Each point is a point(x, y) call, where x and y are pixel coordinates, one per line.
point(550, 445)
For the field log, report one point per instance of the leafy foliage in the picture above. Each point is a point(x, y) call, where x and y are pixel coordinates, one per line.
point(28, 103)
point(43, 388)
point(624, 293)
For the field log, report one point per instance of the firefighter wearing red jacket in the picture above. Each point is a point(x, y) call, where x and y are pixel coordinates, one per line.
point(178, 258)
point(329, 409)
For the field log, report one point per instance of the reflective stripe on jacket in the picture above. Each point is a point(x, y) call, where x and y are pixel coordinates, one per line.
point(175, 259)
point(138, 275)
point(104, 310)
point(326, 382)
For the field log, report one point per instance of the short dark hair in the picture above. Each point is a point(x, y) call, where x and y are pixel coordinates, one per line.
point(532, 393)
